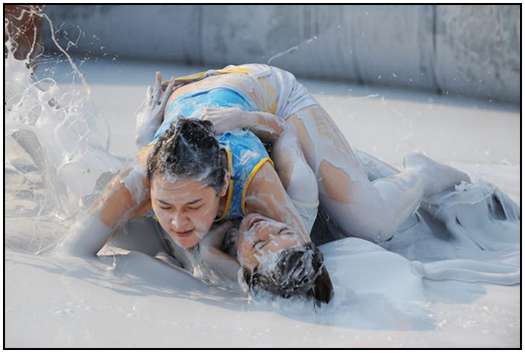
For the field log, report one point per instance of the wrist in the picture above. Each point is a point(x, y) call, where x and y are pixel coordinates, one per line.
point(272, 122)
point(253, 120)
point(134, 183)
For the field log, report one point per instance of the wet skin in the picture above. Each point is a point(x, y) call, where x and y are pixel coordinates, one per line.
point(261, 238)
point(185, 208)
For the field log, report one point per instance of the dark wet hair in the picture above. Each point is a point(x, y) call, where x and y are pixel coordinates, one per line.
point(189, 149)
point(299, 271)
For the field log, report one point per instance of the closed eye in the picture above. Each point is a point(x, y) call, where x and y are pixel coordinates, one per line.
point(163, 205)
point(285, 230)
point(259, 244)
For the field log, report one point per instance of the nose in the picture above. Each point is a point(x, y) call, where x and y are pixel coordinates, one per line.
point(180, 222)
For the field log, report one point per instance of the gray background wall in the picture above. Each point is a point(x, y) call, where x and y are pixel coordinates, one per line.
point(454, 49)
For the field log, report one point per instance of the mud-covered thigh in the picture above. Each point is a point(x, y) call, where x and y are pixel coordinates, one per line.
point(327, 152)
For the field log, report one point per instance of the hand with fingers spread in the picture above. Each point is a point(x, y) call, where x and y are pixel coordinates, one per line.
point(151, 114)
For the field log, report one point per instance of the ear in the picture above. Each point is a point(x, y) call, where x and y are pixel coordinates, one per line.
point(226, 185)
point(323, 290)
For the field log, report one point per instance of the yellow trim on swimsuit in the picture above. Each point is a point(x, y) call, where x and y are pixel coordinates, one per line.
point(192, 77)
point(234, 69)
point(249, 180)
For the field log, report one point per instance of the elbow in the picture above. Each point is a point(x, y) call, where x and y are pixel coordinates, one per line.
point(68, 249)
point(85, 238)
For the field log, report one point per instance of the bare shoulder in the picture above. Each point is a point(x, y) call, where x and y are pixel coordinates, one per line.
point(266, 195)
point(265, 192)
point(265, 179)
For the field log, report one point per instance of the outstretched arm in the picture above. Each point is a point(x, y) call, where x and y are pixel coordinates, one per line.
point(125, 197)
point(267, 196)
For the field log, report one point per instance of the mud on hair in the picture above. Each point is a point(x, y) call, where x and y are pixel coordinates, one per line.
point(299, 271)
point(189, 149)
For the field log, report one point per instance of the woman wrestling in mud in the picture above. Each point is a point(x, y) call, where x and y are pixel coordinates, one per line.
point(203, 162)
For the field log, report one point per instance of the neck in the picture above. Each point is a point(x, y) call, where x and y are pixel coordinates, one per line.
point(224, 199)
point(222, 206)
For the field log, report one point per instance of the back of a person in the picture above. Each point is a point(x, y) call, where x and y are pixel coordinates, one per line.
point(271, 89)
point(242, 79)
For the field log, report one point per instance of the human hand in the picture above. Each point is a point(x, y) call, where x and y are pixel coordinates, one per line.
point(151, 114)
point(226, 119)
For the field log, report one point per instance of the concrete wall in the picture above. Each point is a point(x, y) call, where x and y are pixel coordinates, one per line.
point(465, 49)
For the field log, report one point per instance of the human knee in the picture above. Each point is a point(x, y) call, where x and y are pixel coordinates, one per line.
point(302, 190)
point(379, 221)
point(297, 177)
point(285, 154)
point(364, 218)
point(382, 230)
point(378, 228)
point(302, 184)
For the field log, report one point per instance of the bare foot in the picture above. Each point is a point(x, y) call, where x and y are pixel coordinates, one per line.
point(438, 177)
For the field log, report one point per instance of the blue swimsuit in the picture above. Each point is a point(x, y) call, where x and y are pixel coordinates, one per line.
point(191, 105)
point(246, 153)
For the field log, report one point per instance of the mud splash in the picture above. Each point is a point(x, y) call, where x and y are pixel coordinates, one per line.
point(56, 149)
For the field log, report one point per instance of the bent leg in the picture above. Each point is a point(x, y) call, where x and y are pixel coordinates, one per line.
point(296, 175)
point(370, 210)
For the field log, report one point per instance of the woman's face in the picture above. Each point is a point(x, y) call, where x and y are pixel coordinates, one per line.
point(185, 208)
point(261, 238)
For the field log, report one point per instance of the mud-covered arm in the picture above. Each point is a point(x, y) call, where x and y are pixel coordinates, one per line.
point(125, 197)
point(213, 256)
point(151, 113)
point(268, 127)
point(267, 196)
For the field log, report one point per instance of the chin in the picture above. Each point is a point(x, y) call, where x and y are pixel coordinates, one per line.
point(186, 243)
